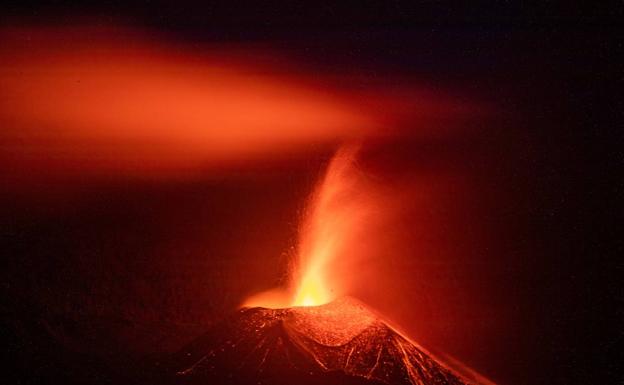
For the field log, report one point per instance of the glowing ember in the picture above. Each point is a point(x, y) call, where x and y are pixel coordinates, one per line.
point(338, 343)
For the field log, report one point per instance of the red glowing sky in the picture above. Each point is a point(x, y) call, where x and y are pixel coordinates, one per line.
point(112, 101)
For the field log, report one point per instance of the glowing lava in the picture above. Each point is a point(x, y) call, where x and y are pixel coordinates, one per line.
point(332, 223)
point(312, 292)
point(324, 232)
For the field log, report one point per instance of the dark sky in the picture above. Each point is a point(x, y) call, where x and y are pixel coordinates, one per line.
point(119, 268)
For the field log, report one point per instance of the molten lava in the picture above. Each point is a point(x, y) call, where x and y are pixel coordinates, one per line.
point(331, 229)
point(311, 292)
point(331, 220)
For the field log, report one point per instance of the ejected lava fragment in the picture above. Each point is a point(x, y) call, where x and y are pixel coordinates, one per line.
point(338, 343)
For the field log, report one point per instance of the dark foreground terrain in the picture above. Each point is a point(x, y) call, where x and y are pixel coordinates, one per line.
point(337, 343)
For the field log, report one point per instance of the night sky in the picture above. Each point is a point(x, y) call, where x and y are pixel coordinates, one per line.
point(510, 252)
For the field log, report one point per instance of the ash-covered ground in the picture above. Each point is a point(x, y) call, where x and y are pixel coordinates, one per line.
point(340, 342)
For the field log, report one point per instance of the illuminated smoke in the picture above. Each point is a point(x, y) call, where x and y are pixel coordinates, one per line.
point(89, 101)
point(109, 101)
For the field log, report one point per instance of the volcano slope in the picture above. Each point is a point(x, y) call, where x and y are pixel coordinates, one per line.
point(338, 343)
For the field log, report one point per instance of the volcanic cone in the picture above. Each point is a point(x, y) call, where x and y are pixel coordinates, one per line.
point(342, 342)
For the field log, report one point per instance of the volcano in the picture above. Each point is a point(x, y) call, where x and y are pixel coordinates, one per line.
point(342, 342)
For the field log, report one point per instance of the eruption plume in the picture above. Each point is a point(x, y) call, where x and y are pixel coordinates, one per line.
point(111, 102)
point(333, 219)
point(340, 210)
point(322, 334)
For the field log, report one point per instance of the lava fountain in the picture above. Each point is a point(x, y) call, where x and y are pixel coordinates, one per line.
point(313, 332)
point(331, 222)
point(339, 210)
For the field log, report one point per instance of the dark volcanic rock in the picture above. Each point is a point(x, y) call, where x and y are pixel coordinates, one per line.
point(338, 343)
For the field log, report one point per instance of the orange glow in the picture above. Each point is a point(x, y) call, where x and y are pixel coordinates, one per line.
point(109, 101)
point(332, 217)
point(85, 103)
point(113, 102)
point(331, 230)
point(312, 291)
